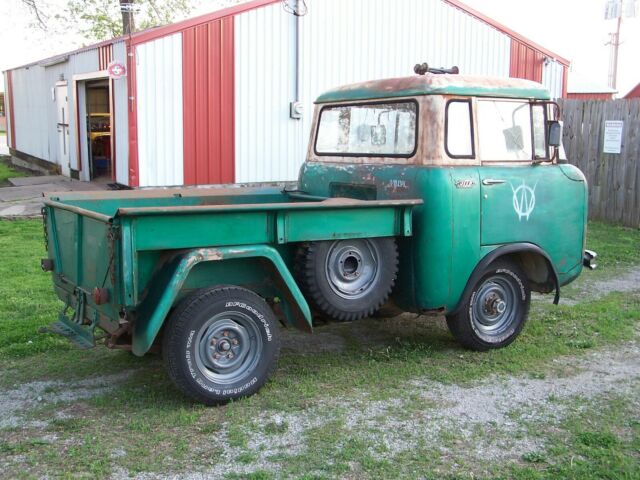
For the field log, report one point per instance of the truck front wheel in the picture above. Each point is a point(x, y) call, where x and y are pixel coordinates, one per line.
point(494, 312)
point(221, 344)
point(348, 279)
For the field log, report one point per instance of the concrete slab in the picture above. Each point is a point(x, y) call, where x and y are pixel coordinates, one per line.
point(26, 181)
point(21, 209)
point(13, 211)
point(11, 194)
point(26, 200)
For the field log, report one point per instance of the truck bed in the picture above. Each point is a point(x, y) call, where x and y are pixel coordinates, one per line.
point(114, 240)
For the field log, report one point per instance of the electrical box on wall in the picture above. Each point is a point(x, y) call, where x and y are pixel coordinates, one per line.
point(296, 109)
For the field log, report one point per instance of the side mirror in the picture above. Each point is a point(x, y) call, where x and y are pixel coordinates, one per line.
point(378, 135)
point(555, 133)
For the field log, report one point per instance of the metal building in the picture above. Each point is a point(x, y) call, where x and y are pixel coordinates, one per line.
point(227, 97)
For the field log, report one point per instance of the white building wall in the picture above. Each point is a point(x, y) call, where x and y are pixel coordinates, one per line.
point(77, 63)
point(159, 110)
point(342, 41)
point(552, 77)
point(37, 130)
point(7, 109)
point(121, 117)
point(31, 99)
point(81, 62)
point(268, 146)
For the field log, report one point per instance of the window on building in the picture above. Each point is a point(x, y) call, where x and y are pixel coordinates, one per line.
point(374, 129)
point(459, 129)
point(504, 130)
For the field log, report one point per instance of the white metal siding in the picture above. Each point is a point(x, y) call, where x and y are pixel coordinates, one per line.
point(35, 105)
point(81, 62)
point(31, 98)
point(53, 74)
point(268, 146)
point(7, 110)
point(342, 41)
point(159, 110)
point(552, 77)
point(121, 117)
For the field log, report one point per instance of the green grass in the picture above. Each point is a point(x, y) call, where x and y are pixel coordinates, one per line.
point(7, 172)
point(597, 440)
point(616, 246)
point(156, 429)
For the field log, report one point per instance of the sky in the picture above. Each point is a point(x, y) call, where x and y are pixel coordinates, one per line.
point(574, 29)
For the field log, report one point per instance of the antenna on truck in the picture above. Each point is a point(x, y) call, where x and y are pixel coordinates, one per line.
point(422, 68)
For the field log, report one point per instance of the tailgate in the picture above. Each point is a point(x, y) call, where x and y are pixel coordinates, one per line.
point(82, 248)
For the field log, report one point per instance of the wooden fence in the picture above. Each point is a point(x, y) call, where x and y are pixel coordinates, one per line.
point(614, 179)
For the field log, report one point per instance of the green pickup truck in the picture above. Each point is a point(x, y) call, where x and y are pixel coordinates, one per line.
point(436, 193)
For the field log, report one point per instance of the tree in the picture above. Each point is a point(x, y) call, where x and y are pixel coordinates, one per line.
point(102, 19)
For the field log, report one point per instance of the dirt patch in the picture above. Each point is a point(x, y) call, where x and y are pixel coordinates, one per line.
point(485, 422)
point(15, 403)
point(626, 281)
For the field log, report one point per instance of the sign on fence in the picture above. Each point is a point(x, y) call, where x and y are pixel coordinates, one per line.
point(612, 136)
point(589, 138)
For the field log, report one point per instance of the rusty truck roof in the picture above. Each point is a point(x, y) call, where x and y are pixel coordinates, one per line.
point(437, 84)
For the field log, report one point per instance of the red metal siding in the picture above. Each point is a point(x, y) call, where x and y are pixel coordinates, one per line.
point(11, 140)
point(208, 109)
point(526, 62)
point(634, 93)
point(105, 56)
point(134, 178)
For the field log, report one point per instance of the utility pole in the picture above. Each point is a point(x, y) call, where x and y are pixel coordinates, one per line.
point(127, 8)
point(617, 9)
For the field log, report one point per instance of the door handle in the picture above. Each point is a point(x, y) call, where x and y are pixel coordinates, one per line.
point(492, 181)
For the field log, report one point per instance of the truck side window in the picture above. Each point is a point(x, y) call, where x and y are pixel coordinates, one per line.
point(538, 117)
point(459, 129)
point(504, 130)
point(386, 129)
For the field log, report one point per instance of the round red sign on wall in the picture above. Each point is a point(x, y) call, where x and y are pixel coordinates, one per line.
point(117, 70)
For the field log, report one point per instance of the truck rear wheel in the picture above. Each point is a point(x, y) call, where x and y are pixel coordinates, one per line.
point(349, 279)
point(221, 344)
point(495, 310)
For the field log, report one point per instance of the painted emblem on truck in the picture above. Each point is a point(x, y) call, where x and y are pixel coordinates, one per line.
point(524, 200)
point(465, 183)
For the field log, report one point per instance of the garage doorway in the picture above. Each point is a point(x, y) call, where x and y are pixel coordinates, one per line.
point(99, 131)
point(96, 132)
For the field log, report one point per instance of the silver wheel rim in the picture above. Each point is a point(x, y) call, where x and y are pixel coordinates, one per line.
point(352, 267)
point(228, 347)
point(495, 306)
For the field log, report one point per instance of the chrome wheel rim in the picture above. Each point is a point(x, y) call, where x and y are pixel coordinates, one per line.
point(495, 306)
point(352, 267)
point(228, 347)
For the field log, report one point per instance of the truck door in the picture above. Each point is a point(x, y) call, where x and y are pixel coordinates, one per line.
point(524, 196)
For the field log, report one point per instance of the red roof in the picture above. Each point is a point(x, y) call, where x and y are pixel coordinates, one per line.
point(634, 93)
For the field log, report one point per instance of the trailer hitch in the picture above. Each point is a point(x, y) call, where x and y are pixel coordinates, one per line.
point(73, 328)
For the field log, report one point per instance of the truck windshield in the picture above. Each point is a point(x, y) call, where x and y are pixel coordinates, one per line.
point(373, 129)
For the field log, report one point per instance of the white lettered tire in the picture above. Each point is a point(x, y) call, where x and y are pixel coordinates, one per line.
point(221, 344)
point(495, 310)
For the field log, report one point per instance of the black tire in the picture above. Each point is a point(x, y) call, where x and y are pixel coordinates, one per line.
point(348, 279)
point(221, 344)
point(494, 312)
